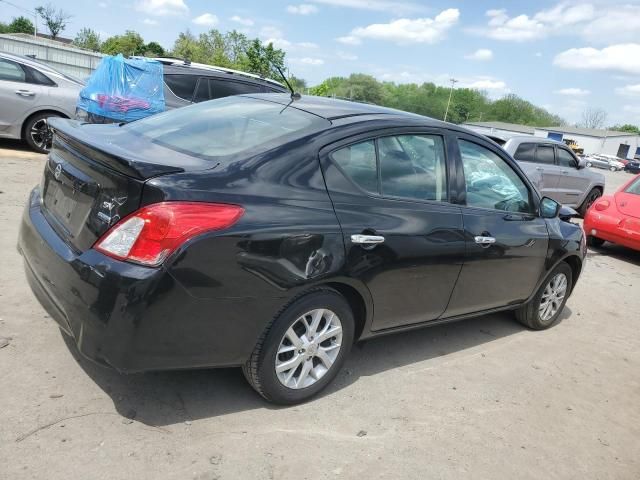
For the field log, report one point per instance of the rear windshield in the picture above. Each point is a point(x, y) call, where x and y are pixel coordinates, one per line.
point(226, 126)
point(634, 187)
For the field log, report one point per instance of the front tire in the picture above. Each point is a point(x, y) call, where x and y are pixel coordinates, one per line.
point(303, 349)
point(546, 306)
point(37, 133)
point(594, 241)
point(592, 196)
point(613, 169)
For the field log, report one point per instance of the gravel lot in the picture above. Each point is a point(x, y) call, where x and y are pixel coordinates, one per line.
point(483, 398)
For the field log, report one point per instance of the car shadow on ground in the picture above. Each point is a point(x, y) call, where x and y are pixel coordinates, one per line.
point(615, 251)
point(166, 398)
point(15, 145)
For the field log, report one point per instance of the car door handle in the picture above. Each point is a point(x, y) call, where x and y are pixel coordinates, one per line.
point(367, 239)
point(484, 241)
point(565, 172)
point(539, 169)
point(25, 93)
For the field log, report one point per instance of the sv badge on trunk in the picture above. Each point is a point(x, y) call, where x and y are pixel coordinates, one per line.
point(110, 214)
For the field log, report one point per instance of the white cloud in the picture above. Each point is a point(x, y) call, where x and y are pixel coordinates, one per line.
point(485, 84)
point(629, 90)
point(162, 8)
point(270, 32)
point(302, 9)
point(572, 92)
point(206, 19)
point(618, 23)
point(307, 45)
point(623, 57)
point(150, 21)
point(563, 15)
point(247, 22)
point(349, 40)
point(519, 28)
point(347, 56)
point(482, 54)
point(376, 5)
point(405, 30)
point(308, 61)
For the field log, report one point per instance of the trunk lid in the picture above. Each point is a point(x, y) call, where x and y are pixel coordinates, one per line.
point(628, 203)
point(95, 174)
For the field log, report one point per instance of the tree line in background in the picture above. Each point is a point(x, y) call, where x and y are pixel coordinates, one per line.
point(235, 50)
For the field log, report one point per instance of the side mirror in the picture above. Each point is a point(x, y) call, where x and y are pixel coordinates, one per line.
point(582, 163)
point(549, 208)
point(567, 213)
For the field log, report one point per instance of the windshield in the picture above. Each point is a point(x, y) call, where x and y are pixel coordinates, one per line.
point(226, 126)
point(634, 187)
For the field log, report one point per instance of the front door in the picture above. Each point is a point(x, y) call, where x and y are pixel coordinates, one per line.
point(16, 95)
point(573, 181)
point(506, 240)
point(403, 239)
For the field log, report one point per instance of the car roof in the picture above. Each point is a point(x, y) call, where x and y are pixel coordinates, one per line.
point(532, 139)
point(333, 108)
point(38, 65)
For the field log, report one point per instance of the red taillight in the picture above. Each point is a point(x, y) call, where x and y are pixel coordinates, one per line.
point(151, 234)
point(601, 205)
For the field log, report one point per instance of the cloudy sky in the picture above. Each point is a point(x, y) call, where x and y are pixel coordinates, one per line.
point(563, 56)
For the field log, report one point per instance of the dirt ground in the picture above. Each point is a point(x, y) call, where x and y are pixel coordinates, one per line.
point(483, 398)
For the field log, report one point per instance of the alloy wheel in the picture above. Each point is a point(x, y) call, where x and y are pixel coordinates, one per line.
point(593, 196)
point(308, 348)
point(41, 134)
point(552, 297)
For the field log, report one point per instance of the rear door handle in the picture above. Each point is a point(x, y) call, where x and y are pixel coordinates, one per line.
point(25, 93)
point(484, 241)
point(367, 239)
point(539, 169)
point(565, 172)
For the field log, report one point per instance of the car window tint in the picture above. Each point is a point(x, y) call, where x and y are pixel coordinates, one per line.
point(525, 152)
point(182, 85)
point(544, 154)
point(491, 182)
point(226, 88)
point(413, 166)
point(39, 78)
point(565, 159)
point(202, 91)
point(358, 162)
point(11, 71)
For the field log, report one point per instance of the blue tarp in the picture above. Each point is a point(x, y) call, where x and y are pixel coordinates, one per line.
point(124, 89)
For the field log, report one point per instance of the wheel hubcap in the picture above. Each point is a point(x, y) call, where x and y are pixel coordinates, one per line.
point(309, 348)
point(552, 297)
point(41, 134)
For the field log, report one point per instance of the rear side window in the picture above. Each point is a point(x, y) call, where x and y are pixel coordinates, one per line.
point(11, 71)
point(544, 154)
point(413, 166)
point(39, 78)
point(358, 162)
point(634, 187)
point(226, 88)
point(565, 159)
point(202, 91)
point(182, 85)
point(525, 152)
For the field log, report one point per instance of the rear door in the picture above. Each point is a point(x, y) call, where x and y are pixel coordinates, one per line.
point(17, 95)
point(506, 240)
point(403, 238)
point(573, 183)
point(537, 166)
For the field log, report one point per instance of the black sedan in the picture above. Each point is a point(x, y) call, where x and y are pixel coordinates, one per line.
point(271, 234)
point(633, 166)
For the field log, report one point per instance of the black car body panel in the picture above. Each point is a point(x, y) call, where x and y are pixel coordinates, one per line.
point(211, 300)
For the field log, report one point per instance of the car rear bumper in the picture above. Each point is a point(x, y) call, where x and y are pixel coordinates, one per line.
point(625, 232)
point(130, 317)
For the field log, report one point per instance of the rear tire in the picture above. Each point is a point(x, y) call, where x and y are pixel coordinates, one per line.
point(546, 306)
point(591, 197)
point(613, 169)
point(589, 164)
point(594, 241)
point(37, 133)
point(293, 360)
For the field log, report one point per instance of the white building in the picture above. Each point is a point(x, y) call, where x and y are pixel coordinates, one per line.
point(593, 141)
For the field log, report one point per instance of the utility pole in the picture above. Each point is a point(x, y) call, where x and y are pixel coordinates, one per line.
point(453, 82)
point(32, 12)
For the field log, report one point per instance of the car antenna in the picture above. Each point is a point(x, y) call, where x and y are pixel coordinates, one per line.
point(294, 95)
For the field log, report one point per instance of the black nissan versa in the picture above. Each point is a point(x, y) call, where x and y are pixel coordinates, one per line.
point(271, 234)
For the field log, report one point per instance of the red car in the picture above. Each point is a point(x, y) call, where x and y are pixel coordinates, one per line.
point(616, 218)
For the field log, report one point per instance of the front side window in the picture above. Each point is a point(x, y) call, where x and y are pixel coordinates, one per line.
point(525, 152)
point(11, 71)
point(491, 182)
point(222, 88)
point(544, 154)
point(565, 159)
point(413, 166)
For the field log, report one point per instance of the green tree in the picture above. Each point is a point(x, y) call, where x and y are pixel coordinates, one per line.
point(299, 85)
point(56, 20)
point(21, 25)
point(186, 46)
point(154, 49)
point(129, 44)
point(88, 39)
point(263, 60)
point(627, 127)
